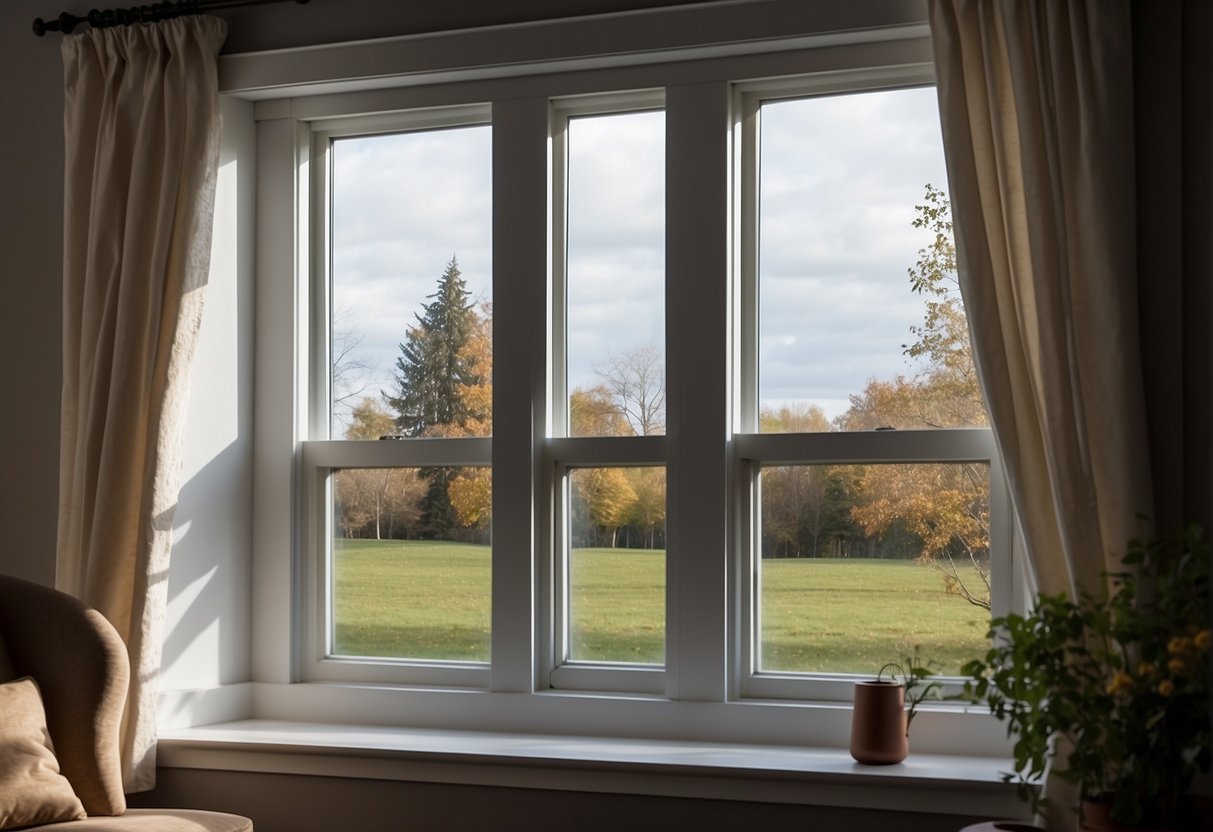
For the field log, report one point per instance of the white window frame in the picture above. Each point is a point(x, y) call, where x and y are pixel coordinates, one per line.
point(753, 450)
point(322, 456)
point(564, 453)
point(704, 695)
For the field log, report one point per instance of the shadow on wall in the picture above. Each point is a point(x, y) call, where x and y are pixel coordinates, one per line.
point(208, 624)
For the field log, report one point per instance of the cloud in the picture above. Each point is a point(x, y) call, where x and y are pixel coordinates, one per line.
point(403, 205)
point(616, 239)
point(840, 178)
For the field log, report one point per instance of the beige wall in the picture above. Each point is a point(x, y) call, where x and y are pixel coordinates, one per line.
point(31, 263)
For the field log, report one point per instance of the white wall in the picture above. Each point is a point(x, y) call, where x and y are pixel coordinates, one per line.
point(207, 633)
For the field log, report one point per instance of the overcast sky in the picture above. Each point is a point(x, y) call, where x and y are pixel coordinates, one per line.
point(840, 178)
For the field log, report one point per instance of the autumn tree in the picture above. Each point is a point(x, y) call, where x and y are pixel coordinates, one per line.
point(471, 489)
point(805, 508)
point(602, 500)
point(594, 412)
point(629, 400)
point(647, 511)
point(793, 417)
point(375, 502)
point(946, 506)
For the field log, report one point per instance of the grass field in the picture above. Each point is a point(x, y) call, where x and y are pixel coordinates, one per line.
point(432, 600)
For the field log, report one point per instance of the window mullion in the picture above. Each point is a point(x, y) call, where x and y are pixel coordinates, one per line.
point(520, 268)
point(697, 346)
point(280, 401)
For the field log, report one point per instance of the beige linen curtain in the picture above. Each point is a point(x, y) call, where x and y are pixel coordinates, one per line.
point(141, 127)
point(1037, 109)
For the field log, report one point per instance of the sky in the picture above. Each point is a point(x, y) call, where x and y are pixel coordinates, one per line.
point(840, 176)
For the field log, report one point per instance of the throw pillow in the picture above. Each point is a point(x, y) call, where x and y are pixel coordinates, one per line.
point(32, 790)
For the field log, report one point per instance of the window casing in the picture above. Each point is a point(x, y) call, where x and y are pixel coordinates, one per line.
point(710, 462)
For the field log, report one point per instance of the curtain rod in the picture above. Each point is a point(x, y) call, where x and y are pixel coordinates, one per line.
point(66, 21)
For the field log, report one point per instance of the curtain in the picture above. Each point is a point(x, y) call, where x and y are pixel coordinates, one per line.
point(1037, 110)
point(1036, 101)
point(141, 129)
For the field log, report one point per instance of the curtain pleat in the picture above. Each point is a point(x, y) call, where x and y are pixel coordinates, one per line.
point(1037, 112)
point(1036, 103)
point(141, 129)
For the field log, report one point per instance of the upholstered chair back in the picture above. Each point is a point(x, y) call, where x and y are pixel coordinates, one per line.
point(81, 667)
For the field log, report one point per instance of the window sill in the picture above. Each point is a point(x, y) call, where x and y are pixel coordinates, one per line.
point(725, 771)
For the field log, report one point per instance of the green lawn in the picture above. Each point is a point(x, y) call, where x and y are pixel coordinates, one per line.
point(432, 600)
point(617, 605)
point(411, 599)
point(856, 614)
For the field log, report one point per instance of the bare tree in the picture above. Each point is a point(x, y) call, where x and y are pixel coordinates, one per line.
point(351, 370)
point(636, 381)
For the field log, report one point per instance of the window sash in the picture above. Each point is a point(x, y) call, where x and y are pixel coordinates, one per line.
point(561, 452)
point(754, 451)
point(320, 455)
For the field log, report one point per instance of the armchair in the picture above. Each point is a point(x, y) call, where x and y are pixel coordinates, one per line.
point(80, 666)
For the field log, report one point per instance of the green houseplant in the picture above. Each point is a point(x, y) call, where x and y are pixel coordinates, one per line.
point(1113, 689)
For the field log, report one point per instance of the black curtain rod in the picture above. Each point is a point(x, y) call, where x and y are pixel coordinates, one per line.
point(66, 21)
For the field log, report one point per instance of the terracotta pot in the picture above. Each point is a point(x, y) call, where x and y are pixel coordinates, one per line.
point(878, 724)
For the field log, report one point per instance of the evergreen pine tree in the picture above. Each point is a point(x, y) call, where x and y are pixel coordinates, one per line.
point(430, 370)
point(431, 366)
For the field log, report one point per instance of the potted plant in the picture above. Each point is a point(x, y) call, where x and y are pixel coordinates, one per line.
point(1111, 690)
point(885, 707)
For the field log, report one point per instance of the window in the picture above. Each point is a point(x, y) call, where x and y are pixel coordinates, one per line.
point(611, 400)
point(402, 306)
point(863, 445)
point(608, 374)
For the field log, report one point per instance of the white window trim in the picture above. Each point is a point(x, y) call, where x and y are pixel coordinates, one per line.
point(320, 457)
point(515, 694)
point(564, 453)
point(752, 450)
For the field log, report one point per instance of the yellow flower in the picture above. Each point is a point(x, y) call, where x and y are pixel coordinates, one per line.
point(1176, 645)
point(1166, 687)
point(1203, 638)
point(1120, 683)
point(1146, 669)
point(1176, 666)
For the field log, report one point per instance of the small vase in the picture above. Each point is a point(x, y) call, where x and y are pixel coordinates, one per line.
point(878, 724)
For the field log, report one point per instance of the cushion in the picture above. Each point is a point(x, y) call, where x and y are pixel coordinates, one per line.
point(31, 788)
point(163, 820)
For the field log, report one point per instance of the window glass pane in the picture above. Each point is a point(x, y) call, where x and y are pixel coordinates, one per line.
point(411, 325)
point(615, 274)
point(860, 320)
point(862, 563)
point(411, 563)
point(616, 592)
